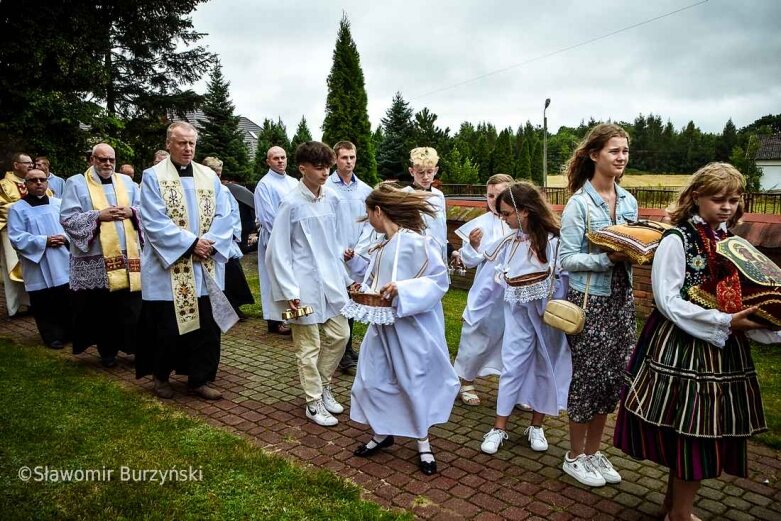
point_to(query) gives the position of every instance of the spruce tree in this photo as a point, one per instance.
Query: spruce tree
(523, 169)
(393, 154)
(302, 135)
(220, 134)
(346, 112)
(502, 155)
(726, 142)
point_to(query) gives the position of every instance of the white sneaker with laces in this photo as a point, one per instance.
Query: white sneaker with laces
(331, 405)
(582, 470)
(600, 462)
(493, 440)
(537, 439)
(317, 412)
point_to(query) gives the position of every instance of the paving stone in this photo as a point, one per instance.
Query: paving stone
(263, 402)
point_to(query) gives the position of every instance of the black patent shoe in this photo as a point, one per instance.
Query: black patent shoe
(427, 467)
(364, 451)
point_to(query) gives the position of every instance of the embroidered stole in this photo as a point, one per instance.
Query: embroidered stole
(182, 272)
(121, 275)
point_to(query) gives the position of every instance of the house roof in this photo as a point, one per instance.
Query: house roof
(769, 147)
(247, 126)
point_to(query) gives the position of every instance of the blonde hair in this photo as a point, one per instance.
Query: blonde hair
(498, 179)
(711, 179)
(580, 166)
(403, 208)
(423, 156)
(212, 162)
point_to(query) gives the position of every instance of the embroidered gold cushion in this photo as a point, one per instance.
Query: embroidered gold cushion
(638, 240)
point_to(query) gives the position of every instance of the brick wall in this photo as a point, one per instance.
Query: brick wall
(764, 231)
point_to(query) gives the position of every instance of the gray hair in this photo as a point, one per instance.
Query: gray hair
(180, 124)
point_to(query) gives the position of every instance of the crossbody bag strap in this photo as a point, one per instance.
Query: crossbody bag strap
(588, 245)
(553, 269)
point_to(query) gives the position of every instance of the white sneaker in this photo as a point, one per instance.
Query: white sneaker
(582, 470)
(600, 462)
(493, 440)
(331, 405)
(317, 412)
(537, 439)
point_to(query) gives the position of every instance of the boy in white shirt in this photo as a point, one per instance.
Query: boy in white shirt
(305, 266)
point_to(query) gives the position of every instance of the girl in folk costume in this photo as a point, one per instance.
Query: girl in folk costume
(479, 352)
(535, 357)
(694, 399)
(404, 382)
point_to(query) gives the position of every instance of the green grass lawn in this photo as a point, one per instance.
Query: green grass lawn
(58, 414)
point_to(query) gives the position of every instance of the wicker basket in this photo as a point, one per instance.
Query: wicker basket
(370, 299)
(527, 279)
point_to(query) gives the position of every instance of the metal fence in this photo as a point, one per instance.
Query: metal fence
(755, 202)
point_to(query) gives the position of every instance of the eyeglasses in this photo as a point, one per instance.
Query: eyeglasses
(36, 180)
(104, 159)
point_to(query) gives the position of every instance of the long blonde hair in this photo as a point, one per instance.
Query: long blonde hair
(711, 179)
(403, 208)
(580, 166)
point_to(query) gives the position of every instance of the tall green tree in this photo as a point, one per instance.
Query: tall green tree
(428, 134)
(726, 141)
(502, 161)
(126, 61)
(302, 135)
(346, 105)
(220, 134)
(458, 169)
(393, 154)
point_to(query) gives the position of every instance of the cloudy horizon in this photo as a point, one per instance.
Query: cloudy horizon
(497, 61)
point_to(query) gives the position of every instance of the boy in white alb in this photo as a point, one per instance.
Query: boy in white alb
(305, 267)
(423, 170)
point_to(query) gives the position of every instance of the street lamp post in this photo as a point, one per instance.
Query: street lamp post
(545, 144)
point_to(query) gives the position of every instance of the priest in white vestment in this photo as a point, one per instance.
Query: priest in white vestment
(99, 214)
(188, 229)
(269, 193)
(36, 234)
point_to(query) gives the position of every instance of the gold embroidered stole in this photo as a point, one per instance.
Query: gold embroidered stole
(182, 273)
(120, 275)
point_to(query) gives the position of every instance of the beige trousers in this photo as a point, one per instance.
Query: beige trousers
(318, 355)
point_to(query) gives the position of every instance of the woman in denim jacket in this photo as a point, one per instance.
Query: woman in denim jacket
(600, 351)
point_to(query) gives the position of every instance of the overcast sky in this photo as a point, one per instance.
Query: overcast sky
(717, 60)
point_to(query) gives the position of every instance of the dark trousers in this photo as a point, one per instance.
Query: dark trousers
(52, 311)
(163, 350)
(108, 319)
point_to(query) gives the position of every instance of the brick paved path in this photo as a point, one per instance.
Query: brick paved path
(263, 403)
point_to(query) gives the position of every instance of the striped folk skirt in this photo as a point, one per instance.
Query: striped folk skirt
(689, 405)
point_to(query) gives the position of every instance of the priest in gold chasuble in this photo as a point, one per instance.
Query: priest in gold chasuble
(100, 216)
(188, 231)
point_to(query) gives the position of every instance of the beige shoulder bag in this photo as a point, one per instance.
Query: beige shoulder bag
(562, 314)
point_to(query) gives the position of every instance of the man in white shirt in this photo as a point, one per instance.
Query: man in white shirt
(306, 268)
(351, 194)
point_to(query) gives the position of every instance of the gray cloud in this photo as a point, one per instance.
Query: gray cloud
(707, 64)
